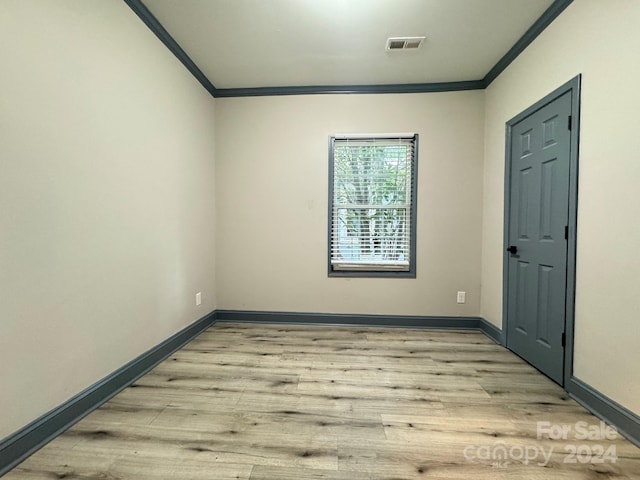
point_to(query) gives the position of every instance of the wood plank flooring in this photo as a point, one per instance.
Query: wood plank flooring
(287, 402)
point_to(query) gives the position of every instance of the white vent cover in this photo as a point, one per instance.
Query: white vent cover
(404, 43)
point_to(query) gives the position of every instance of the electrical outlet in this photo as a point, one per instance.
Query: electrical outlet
(198, 298)
(462, 297)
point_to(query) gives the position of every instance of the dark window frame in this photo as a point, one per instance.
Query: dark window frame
(372, 273)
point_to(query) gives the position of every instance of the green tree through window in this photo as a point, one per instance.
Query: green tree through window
(373, 205)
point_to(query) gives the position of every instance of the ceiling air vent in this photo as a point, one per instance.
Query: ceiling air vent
(404, 43)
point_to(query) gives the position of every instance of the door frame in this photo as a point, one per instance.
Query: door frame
(572, 86)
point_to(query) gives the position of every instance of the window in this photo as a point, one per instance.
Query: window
(372, 205)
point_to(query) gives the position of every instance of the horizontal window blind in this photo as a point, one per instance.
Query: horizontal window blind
(372, 202)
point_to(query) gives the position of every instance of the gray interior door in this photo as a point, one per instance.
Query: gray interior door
(537, 231)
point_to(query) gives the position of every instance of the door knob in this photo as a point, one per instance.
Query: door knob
(512, 249)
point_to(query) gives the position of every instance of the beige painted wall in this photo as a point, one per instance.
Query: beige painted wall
(271, 183)
(601, 40)
(106, 198)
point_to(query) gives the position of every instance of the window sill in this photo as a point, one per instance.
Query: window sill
(371, 274)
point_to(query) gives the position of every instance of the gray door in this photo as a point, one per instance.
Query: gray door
(537, 230)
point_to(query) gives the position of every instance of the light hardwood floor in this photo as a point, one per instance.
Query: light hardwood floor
(287, 402)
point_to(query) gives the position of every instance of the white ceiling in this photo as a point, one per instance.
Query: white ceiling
(267, 43)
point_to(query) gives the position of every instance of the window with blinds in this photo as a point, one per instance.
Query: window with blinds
(372, 205)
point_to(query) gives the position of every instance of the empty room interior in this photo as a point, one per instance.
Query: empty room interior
(319, 239)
